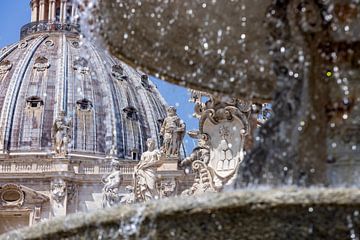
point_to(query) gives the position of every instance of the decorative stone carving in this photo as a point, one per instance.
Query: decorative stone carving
(41, 64)
(58, 190)
(128, 197)
(49, 43)
(5, 67)
(61, 134)
(22, 44)
(167, 188)
(111, 190)
(173, 132)
(11, 195)
(145, 173)
(223, 125)
(71, 191)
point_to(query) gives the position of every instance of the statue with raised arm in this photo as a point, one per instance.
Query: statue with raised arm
(173, 132)
(60, 134)
(145, 173)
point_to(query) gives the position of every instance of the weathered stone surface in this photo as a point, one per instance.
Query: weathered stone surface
(206, 45)
(252, 214)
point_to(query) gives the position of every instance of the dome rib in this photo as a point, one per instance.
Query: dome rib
(10, 103)
(60, 71)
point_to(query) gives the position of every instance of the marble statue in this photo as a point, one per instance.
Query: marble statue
(145, 173)
(173, 132)
(201, 152)
(111, 190)
(61, 135)
(199, 160)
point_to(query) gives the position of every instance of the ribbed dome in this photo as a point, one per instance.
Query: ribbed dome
(112, 107)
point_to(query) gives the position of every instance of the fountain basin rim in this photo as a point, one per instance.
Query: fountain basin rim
(252, 198)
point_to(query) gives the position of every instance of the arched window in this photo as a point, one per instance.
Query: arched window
(131, 113)
(84, 105)
(145, 82)
(34, 102)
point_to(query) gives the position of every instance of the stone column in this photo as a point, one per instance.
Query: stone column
(63, 10)
(73, 12)
(34, 11)
(42, 10)
(52, 10)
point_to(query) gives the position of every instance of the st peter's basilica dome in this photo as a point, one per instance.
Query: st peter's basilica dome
(112, 108)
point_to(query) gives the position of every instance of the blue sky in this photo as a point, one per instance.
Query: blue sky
(16, 13)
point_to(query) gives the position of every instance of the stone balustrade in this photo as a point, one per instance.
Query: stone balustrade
(81, 168)
(21, 167)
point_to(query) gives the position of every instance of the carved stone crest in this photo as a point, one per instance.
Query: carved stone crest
(223, 125)
(58, 190)
(167, 187)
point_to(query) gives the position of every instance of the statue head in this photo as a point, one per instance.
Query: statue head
(171, 111)
(115, 165)
(150, 144)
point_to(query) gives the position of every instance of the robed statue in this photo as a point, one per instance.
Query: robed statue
(145, 173)
(173, 132)
(61, 134)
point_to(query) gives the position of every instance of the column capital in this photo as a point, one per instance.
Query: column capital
(34, 3)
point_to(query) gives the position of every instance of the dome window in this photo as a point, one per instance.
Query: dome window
(84, 105)
(134, 154)
(131, 113)
(145, 82)
(118, 73)
(34, 102)
(81, 65)
(41, 64)
(75, 44)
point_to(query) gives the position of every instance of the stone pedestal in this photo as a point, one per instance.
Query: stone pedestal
(168, 176)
